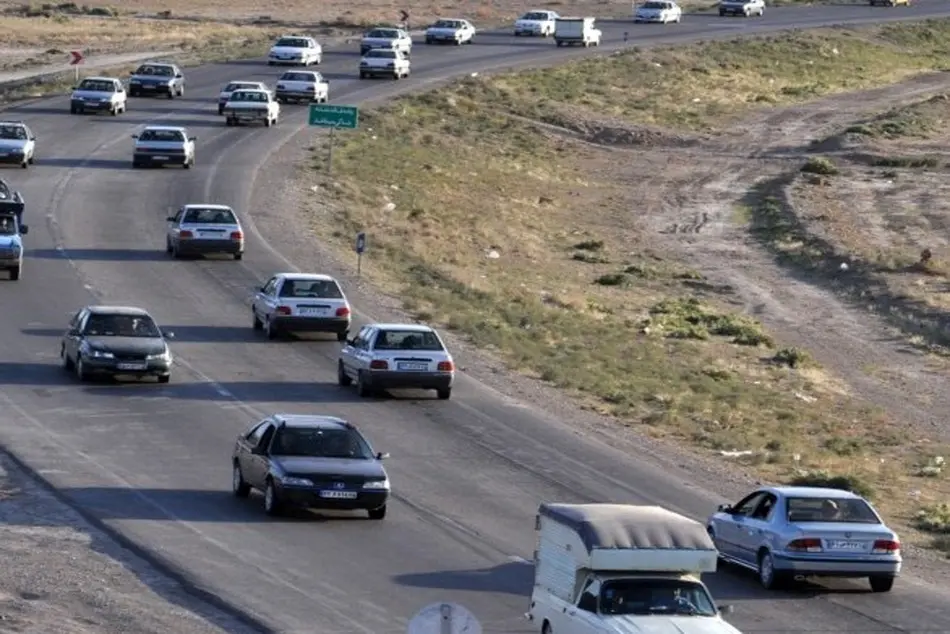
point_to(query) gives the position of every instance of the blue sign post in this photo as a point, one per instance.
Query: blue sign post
(360, 248)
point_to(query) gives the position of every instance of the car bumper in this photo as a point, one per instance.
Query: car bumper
(528, 31)
(160, 159)
(111, 367)
(12, 157)
(8, 262)
(836, 567)
(91, 106)
(247, 117)
(198, 247)
(442, 38)
(732, 10)
(385, 379)
(148, 89)
(279, 60)
(310, 498)
(311, 324)
(295, 94)
(650, 18)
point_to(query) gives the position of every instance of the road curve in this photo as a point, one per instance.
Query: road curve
(152, 461)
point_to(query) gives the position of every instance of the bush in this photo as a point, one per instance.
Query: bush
(821, 166)
(825, 480)
(792, 357)
(934, 518)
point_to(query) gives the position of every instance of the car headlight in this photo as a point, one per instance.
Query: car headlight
(379, 485)
(163, 356)
(135, 81)
(78, 98)
(296, 482)
(100, 354)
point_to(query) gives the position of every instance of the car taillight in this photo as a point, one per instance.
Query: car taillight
(885, 547)
(283, 310)
(237, 235)
(378, 365)
(342, 311)
(809, 545)
(185, 234)
(446, 366)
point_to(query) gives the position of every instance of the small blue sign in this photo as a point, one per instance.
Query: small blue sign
(360, 242)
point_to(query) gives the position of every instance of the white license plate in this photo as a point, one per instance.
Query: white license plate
(147, 87)
(131, 366)
(338, 495)
(4, 154)
(161, 158)
(209, 234)
(412, 367)
(846, 545)
(313, 311)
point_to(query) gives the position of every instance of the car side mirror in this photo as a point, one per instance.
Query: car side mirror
(24, 229)
(33, 138)
(179, 76)
(261, 289)
(382, 456)
(725, 508)
(170, 219)
(168, 334)
(192, 138)
(726, 609)
(135, 136)
(72, 332)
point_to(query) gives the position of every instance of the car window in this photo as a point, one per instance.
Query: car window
(239, 85)
(97, 85)
(75, 320)
(292, 42)
(317, 289)
(656, 596)
(448, 24)
(162, 136)
(8, 226)
(249, 96)
(320, 443)
(270, 286)
(588, 599)
(407, 340)
(204, 216)
(113, 325)
(830, 509)
(764, 510)
(747, 505)
(254, 436)
(153, 69)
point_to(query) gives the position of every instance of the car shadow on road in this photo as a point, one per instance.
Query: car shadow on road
(102, 255)
(34, 374)
(134, 110)
(41, 110)
(732, 583)
(241, 334)
(44, 332)
(181, 123)
(85, 163)
(312, 392)
(514, 578)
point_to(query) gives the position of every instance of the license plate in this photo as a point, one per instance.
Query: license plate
(338, 495)
(313, 311)
(131, 366)
(160, 158)
(412, 367)
(208, 234)
(4, 154)
(147, 87)
(846, 545)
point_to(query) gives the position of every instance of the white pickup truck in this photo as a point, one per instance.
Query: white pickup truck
(251, 106)
(571, 31)
(302, 85)
(383, 62)
(619, 568)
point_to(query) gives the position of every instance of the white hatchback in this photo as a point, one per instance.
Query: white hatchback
(301, 302)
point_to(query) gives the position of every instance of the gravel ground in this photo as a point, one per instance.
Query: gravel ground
(63, 576)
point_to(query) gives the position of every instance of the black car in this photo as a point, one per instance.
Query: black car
(318, 462)
(116, 341)
(156, 78)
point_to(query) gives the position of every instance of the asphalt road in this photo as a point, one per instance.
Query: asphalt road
(152, 461)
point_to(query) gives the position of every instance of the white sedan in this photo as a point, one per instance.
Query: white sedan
(536, 23)
(233, 86)
(452, 31)
(662, 11)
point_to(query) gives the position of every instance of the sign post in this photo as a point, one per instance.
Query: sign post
(333, 117)
(444, 618)
(360, 248)
(75, 59)
(404, 18)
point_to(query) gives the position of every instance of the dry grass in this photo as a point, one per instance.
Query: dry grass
(524, 243)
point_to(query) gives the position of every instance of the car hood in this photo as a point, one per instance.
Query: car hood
(93, 94)
(656, 624)
(7, 242)
(128, 345)
(12, 144)
(152, 79)
(304, 466)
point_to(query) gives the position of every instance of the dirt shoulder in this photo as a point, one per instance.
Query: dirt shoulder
(62, 575)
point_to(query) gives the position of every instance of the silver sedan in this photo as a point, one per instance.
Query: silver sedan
(786, 533)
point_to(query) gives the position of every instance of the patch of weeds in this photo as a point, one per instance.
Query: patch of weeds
(844, 446)
(932, 468)
(642, 271)
(941, 543)
(589, 258)
(589, 245)
(820, 165)
(612, 279)
(911, 162)
(919, 120)
(690, 319)
(825, 480)
(792, 357)
(934, 518)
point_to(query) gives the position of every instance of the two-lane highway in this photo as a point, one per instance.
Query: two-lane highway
(152, 461)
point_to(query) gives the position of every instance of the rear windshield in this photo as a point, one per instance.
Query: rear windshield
(292, 42)
(382, 53)
(655, 5)
(535, 15)
(383, 33)
(236, 86)
(97, 85)
(317, 289)
(407, 340)
(822, 509)
(448, 24)
(164, 136)
(199, 216)
(292, 76)
(249, 95)
(149, 69)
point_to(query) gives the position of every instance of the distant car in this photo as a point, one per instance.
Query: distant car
(318, 462)
(302, 85)
(662, 11)
(11, 201)
(787, 532)
(204, 230)
(252, 106)
(301, 302)
(98, 94)
(297, 50)
(386, 37)
(225, 93)
(11, 245)
(890, 3)
(747, 8)
(156, 78)
(452, 31)
(381, 62)
(536, 23)
(396, 356)
(116, 341)
(17, 143)
(157, 145)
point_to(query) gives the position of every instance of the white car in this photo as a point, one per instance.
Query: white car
(386, 37)
(396, 356)
(301, 302)
(297, 50)
(11, 244)
(159, 145)
(748, 8)
(536, 23)
(225, 93)
(204, 230)
(454, 31)
(17, 143)
(98, 94)
(252, 106)
(302, 85)
(662, 11)
(380, 62)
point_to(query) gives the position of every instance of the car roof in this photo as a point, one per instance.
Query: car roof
(412, 327)
(20, 123)
(165, 127)
(117, 310)
(306, 276)
(305, 37)
(99, 79)
(173, 65)
(312, 421)
(813, 492)
(245, 81)
(207, 206)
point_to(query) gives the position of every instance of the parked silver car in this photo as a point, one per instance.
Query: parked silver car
(792, 532)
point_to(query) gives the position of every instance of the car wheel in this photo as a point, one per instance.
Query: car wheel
(221, 110)
(268, 122)
(238, 256)
(176, 254)
(168, 246)
(445, 394)
(171, 94)
(164, 378)
(67, 362)
(546, 628)
(341, 336)
(114, 111)
(239, 487)
(270, 331)
(881, 584)
(25, 164)
(769, 578)
(15, 273)
(255, 322)
(342, 378)
(136, 165)
(31, 160)
(189, 164)
(362, 389)
(377, 514)
(81, 369)
(722, 14)
(272, 505)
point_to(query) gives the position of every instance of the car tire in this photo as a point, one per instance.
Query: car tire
(270, 63)
(342, 335)
(271, 332)
(238, 256)
(255, 322)
(67, 362)
(272, 504)
(25, 164)
(881, 584)
(239, 487)
(168, 246)
(377, 514)
(15, 274)
(81, 370)
(31, 160)
(114, 111)
(268, 122)
(769, 578)
(136, 165)
(176, 254)
(445, 394)
(189, 164)
(164, 378)
(546, 628)
(170, 94)
(362, 75)
(722, 14)
(362, 389)
(221, 109)
(342, 378)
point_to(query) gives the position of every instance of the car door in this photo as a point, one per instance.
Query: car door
(72, 337)
(258, 464)
(754, 530)
(265, 299)
(350, 352)
(174, 226)
(729, 526)
(245, 443)
(583, 617)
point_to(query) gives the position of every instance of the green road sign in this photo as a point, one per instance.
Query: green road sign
(326, 116)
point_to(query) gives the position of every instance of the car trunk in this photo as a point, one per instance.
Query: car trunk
(843, 538)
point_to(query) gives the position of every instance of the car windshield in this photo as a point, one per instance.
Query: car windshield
(656, 596)
(151, 69)
(323, 289)
(535, 15)
(12, 132)
(448, 24)
(321, 443)
(7, 226)
(97, 85)
(292, 42)
(388, 34)
(106, 325)
(384, 54)
(292, 76)
(407, 340)
(257, 96)
(163, 136)
(238, 86)
(203, 216)
(654, 5)
(829, 509)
